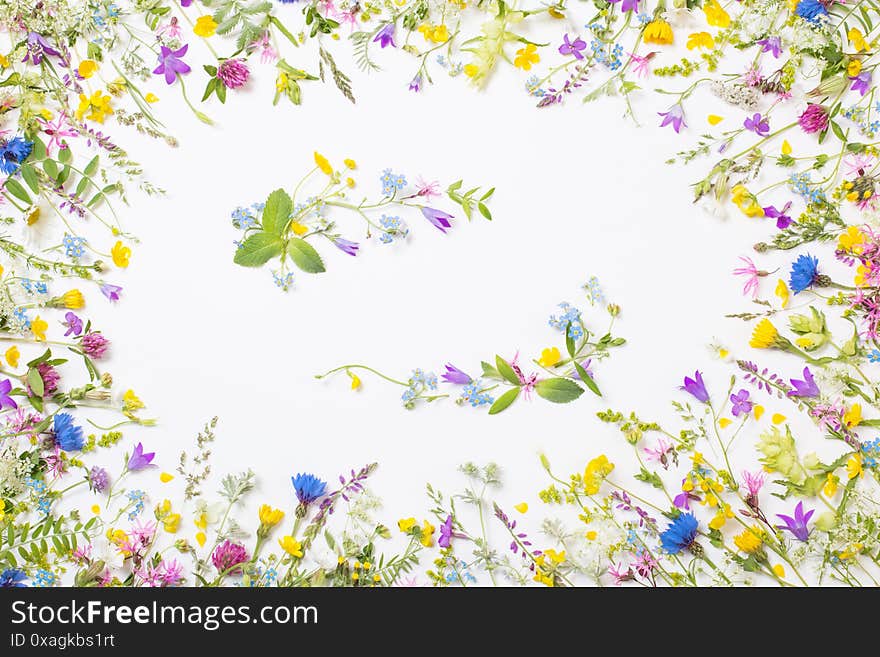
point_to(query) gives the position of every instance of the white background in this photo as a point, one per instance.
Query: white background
(581, 191)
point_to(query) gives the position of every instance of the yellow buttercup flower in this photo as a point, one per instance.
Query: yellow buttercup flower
(205, 26)
(405, 524)
(715, 14)
(764, 335)
(782, 292)
(355, 380)
(658, 31)
(549, 357)
(351, 164)
(854, 67)
(96, 509)
(853, 417)
(595, 473)
(854, 466)
(121, 254)
(522, 507)
(94, 108)
(270, 516)
(12, 355)
(471, 70)
(427, 534)
(527, 56)
(323, 164)
(857, 39)
(4, 61)
(87, 68)
(750, 540)
(292, 546)
(38, 327)
(714, 119)
(700, 40)
(73, 299)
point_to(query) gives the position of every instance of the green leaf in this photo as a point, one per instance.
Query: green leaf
(51, 168)
(488, 371)
(558, 390)
(504, 401)
(587, 379)
(17, 190)
(505, 370)
(258, 249)
(484, 211)
(30, 177)
(304, 256)
(39, 151)
(569, 341)
(92, 167)
(64, 155)
(276, 213)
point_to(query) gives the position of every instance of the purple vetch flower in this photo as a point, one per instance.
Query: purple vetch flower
(416, 83)
(37, 46)
(99, 479)
(861, 82)
(438, 218)
(112, 292)
(741, 403)
(94, 345)
(772, 44)
(233, 73)
(696, 387)
(138, 460)
(171, 64)
(572, 48)
(757, 124)
(385, 36)
(73, 323)
(805, 388)
(228, 555)
(346, 246)
(5, 399)
(798, 524)
(783, 220)
(673, 116)
(455, 375)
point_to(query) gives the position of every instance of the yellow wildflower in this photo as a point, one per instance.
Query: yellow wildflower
(857, 39)
(853, 417)
(405, 524)
(759, 411)
(87, 68)
(750, 540)
(522, 507)
(355, 380)
(746, 202)
(779, 571)
(151, 98)
(351, 164)
(658, 31)
(852, 240)
(434, 33)
(591, 535)
(323, 164)
(96, 509)
(270, 516)
(165, 477)
(724, 422)
(596, 471)
(862, 274)
(4, 61)
(549, 357)
(782, 292)
(830, 485)
(292, 546)
(97, 105)
(12, 355)
(121, 254)
(131, 402)
(73, 299)
(471, 70)
(854, 67)
(527, 56)
(427, 534)
(555, 557)
(786, 147)
(700, 40)
(724, 512)
(171, 522)
(777, 418)
(298, 228)
(714, 119)
(764, 335)
(854, 466)
(350, 183)
(715, 14)
(38, 327)
(201, 538)
(205, 26)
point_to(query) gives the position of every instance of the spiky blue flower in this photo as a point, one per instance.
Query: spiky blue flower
(680, 533)
(804, 273)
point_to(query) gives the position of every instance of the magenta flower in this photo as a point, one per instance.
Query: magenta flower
(346, 246)
(620, 574)
(94, 345)
(112, 292)
(757, 124)
(797, 525)
(741, 403)
(228, 555)
(438, 218)
(814, 119)
(754, 481)
(750, 271)
(627, 5)
(455, 375)
(861, 82)
(50, 377)
(138, 460)
(661, 453)
(171, 64)
(772, 44)
(73, 323)
(641, 64)
(37, 46)
(696, 387)
(782, 219)
(5, 399)
(572, 48)
(233, 73)
(805, 388)
(673, 116)
(684, 498)
(385, 36)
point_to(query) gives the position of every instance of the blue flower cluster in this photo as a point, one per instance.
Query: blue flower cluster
(244, 218)
(533, 87)
(474, 396)
(34, 287)
(600, 53)
(570, 317)
(392, 182)
(594, 291)
(44, 578)
(39, 489)
(136, 497)
(801, 185)
(419, 382)
(870, 453)
(283, 280)
(20, 317)
(861, 117)
(74, 247)
(392, 227)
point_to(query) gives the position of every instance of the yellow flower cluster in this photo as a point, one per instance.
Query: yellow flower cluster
(746, 202)
(595, 473)
(94, 108)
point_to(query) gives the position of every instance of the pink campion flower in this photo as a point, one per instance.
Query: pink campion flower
(857, 164)
(641, 64)
(56, 129)
(55, 465)
(753, 482)
(171, 572)
(527, 383)
(674, 116)
(644, 565)
(752, 274)
(264, 47)
(427, 189)
(170, 30)
(620, 575)
(753, 76)
(662, 453)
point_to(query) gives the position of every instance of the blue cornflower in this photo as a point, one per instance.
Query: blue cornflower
(68, 436)
(74, 247)
(804, 273)
(13, 152)
(13, 578)
(811, 10)
(44, 578)
(680, 533)
(308, 488)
